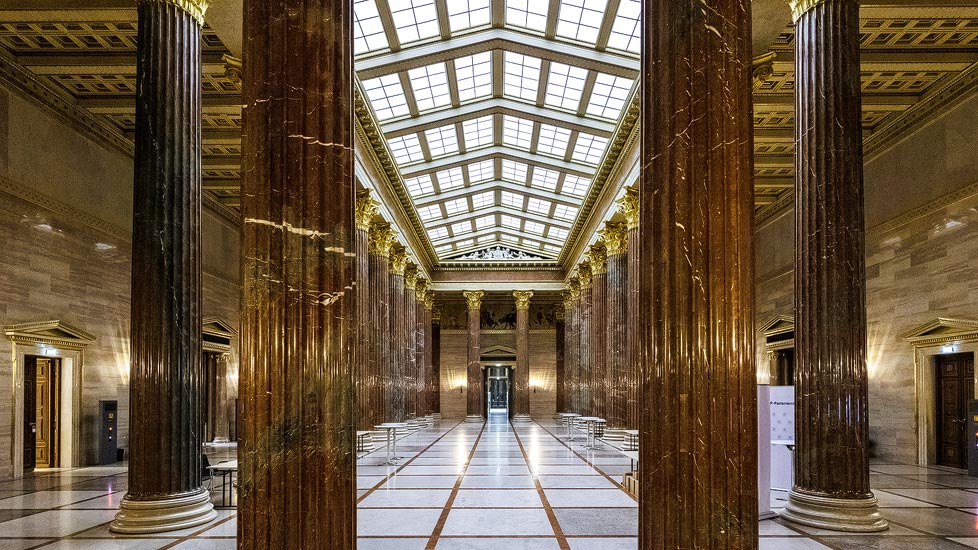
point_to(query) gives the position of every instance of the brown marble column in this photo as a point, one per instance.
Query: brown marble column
(831, 412)
(381, 240)
(167, 383)
(420, 350)
(474, 398)
(396, 360)
(615, 240)
(434, 356)
(598, 336)
(698, 425)
(411, 380)
(572, 309)
(628, 206)
(584, 358)
(521, 387)
(560, 328)
(297, 460)
(366, 378)
(219, 405)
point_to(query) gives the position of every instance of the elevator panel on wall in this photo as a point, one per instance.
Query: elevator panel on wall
(108, 414)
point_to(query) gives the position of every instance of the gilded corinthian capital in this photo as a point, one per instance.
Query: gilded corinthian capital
(474, 299)
(628, 206)
(522, 298)
(195, 8)
(598, 256)
(615, 238)
(399, 260)
(366, 209)
(380, 238)
(584, 274)
(411, 276)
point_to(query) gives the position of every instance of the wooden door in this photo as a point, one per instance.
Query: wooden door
(30, 412)
(46, 415)
(955, 387)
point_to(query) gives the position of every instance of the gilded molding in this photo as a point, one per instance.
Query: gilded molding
(522, 298)
(196, 8)
(232, 68)
(366, 209)
(411, 276)
(615, 237)
(398, 259)
(474, 299)
(380, 238)
(597, 255)
(801, 7)
(628, 206)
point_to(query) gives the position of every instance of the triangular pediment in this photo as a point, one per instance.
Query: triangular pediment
(499, 351)
(943, 329)
(55, 333)
(218, 327)
(780, 324)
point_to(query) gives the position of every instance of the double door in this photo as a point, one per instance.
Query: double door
(41, 408)
(955, 387)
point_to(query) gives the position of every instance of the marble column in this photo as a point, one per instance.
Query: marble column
(366, 379)
(560, 328)
(411, 380)
(396, 360)
(474, 398)
(598, 336)
(584, 357)
(381, 241)
(218, 414)
(572, 353)
(628, 207)
(420, 351)
(167, 382)
(434, 355)
(521, 387)
(831, 488)
(297, 462)
(615, 239)
(698, 424)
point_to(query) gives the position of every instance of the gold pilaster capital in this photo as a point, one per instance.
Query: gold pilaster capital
(420, 288)
(429, 302)
(381, 238)
(598, 256)
(411, 276)
(572, 293)
(584, 274)
(615, 237)
(232, 68)
(366, 209)
(398, 260)
(474, 299)
(628, 206)
(801, 7)
(522, 298)
(196, 8)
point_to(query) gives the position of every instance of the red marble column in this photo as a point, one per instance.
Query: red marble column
(411, 380)
(421, 337)
(366, 380)
(831, 411)
(560, 328)
(572, 307)
(698, 424)
(167, 381)
(396, 361)
(628, 206)
(297, 461)
(585, 357)
(598, 336)
(521, 388)
(615, 235)
(434, 355)
(381, 241)
(474, 398)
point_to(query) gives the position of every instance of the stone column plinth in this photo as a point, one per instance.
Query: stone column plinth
(166, 375)
(474, 398)
(698, 424)
(297, 457)
(616, 344)
(521, 388)
(831, 488)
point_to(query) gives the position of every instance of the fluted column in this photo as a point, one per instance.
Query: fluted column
(521, 388)
(381, 240)
(474, 398)
(598, 335)
(572, 307)
(615, 239)
(411, 380)
(831, 488)
(396, 360)
(297, 461)
(366, 379)
(421, 336)
(698, 425)
(434, 355)
(628, 206)
(585, 357)
(166, 384)
(220, 414)
(560, 328)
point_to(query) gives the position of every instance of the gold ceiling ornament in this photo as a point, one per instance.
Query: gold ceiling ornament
(366, 209)
(411, 276)
(420, 288)
(763, 68)
(584, 274)
(381, 238)
(598, 255)
(522, 298)
(615, 237)
(398, 260)
(474, 299)
(232, 68)
(628, 206)
(801, 7)
(195, 8)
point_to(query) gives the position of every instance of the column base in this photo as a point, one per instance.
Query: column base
(473, 418)
(521, 418)
(166, 514)
(835, 514)
(436, 416)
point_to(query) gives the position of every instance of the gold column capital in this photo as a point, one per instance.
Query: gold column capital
(522, 298)
(429, 301)
(801, 7)
(598, 256)
(411, 276)
(474, 299)
(196, 8)
(366, 209)
(615, 237)
(398, 260)
(584, 274)
(380, 238)
(628, 206)
(420, 288)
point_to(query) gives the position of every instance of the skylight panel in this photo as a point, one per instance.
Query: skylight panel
(484, 199)
(609, 95)
(589, 148)
(420, 185)
(557, 233)
(482, 171)
(565, 212)
(538, 206)
(386, 96)
(465, 243)
(522, 76)
(478, 132)
(551, 248)
(443, 248)
(487, 239)
(529, 14)
(465, 14)
(553, 140)
(512, 199)
(429, 212)
(531, 243)
(455, 206)
(544, 179)
(414, 19)
(626, 33)
(461, 228)
(565, 86)
(509, 238)
(510, 221)
(442, 141)
(406, 149)
(473, 74)
(581, 19)
(485, 222)
(430, 85)
(450, 179)
(514, 171)
(575, 185)
(368, 32)
(438, 233)
(517, 132)
(534, 227)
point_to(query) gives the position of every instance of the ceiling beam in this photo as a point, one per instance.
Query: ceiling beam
(502, 152)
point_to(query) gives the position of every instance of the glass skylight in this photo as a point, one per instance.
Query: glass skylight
(420, 185)
(510, 221)
(487, 239)
(484, 199)
(551, 248)
(456, 205)
(438, 233)
(485, 222)
(510, 238)
(517, 132)
(450, 179)
(429, 212)
(530, 14)
(565, 86)
(534, 227)
(581, 19)
(414, 19)
(544, 179)
(575, 185)
(609, 95)
(514, 171)
(531, 243)
(443, 248)
(589, 148)
(387, 97)
(539, 206)
(478, 132)
(557, 233)
(553, 140)
(522, 76)
(512, 199)
(564, 212)
(463, 244)
(465, 14)
(482, 171)
(442, 141)
(368, 32)
(406, 149)
(474, 76)
(461, 227)
(626, 33)
(430, 85)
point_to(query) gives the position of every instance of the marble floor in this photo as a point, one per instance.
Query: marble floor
(492, 486)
